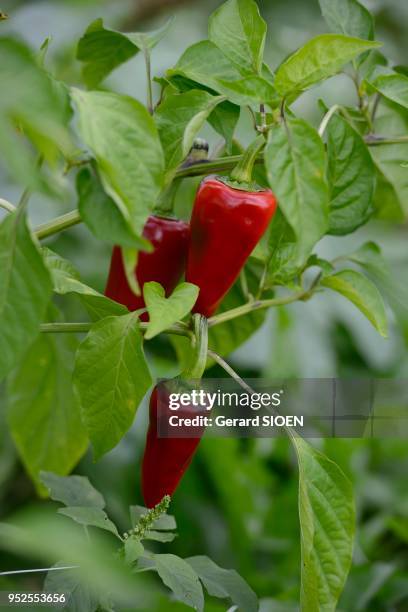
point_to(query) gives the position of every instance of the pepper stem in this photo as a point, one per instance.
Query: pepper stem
(242, 173)
(195, 371)
(165, 204)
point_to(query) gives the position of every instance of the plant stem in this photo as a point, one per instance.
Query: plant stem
(146, 54)
(256, 305)
(7, 205)
(222, 164)
(225, 366)
(73, 217)
(325, 121)
(177, 329)
(374, 141)
(58, 224)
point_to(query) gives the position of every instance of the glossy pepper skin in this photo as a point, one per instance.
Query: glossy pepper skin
(165, 460)
(165, 264)
(226, 225)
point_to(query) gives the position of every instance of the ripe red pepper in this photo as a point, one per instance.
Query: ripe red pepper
(166, 459)
(165, 264)
(228, 220)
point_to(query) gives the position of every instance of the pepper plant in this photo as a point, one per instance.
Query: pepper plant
(128, 161)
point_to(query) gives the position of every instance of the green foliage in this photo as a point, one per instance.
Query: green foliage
(327, 516)
(394, 87)
(295, 165)
(43, 413)
(243, 489)
(72, 490)
(348, 17)
(163, 312)
(205, 63)
(224, 583)
(25, 289)
(318, 59)
(239, 31)
(351, 178)
(111, 377)
(101, 215)
(363, 293)
(179, 118)
(124, 140)
(33, 102)
(102, 49)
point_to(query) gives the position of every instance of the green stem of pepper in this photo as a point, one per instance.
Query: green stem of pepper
(242, 173)
(195, 371)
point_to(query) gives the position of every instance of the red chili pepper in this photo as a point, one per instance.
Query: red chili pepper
(165, 264)
(166, 459)
(228, 220)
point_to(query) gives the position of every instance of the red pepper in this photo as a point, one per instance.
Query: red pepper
(166, 459)
(165, 264)
(228, 220)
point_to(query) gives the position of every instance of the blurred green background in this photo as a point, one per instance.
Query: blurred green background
(238, 502)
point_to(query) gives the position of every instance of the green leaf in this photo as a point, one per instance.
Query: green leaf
(295, 164)
(43, 413)
(72, 490)
(179, 576)
(124, 141)
(101, 215)
(320, 58)
(163, 311)
(133, 550)
(30, 99)
(391, 198)
(41, 536)
(282, 261)
(239, 31)
(129, 260)
(146, 41)
(206, 64)
(164, 522)
(25, 290)
(327, 516)
(102, 50)
(394, 87)
(351, 177)
(224, 583)
(90, 516)
(370, 257)
(363, 293)
(66, 279)
(78, 595)
(159, 536)
(111, 377)
(348, 17)
(224, 119)
(179, 118)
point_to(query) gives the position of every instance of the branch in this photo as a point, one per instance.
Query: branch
(178, 329)
(258, 305)
(7, 206)
(373, 140)
(225, 366)
(222, 164)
